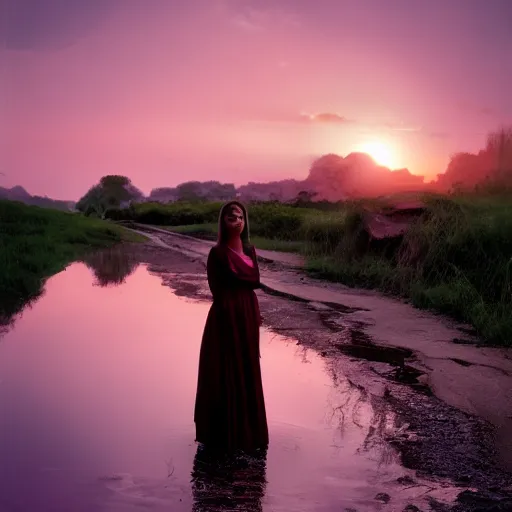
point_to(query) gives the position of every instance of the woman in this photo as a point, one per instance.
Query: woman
(230, 408)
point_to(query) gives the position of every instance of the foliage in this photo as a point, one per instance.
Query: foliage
(209, 232)
(269, 220)
(193, 191)
(455, 259)
(111, 192)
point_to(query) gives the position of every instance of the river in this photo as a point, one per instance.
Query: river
(97, 387)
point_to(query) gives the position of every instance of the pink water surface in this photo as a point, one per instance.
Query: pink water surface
(97, 388)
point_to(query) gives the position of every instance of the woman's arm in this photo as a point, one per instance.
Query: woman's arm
(213, 272)
(256, 266)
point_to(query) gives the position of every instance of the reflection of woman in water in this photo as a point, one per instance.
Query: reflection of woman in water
(228, 482)
(230, 408)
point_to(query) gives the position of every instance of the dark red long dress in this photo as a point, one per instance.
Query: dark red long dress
(230, 407)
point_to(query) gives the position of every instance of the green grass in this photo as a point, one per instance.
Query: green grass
(209, 232)
(456, 259)
(269, 244)
(38, 242)
(273, 221)
(203, 231)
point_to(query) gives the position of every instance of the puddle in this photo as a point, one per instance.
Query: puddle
(394, 360)
(97, 388)
(461, 362)
(391, 355)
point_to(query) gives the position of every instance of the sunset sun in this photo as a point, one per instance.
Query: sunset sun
(380, 152)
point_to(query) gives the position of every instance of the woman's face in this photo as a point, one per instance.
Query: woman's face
(234, 220)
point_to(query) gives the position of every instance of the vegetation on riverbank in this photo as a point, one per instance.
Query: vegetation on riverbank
(38, 242)
(455, 259)
(209, 232)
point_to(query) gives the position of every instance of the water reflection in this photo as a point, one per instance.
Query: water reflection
(111, 266)
(112, 372)
(12, 304)
(221, 483)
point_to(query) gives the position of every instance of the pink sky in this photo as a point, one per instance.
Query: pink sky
(215, 89)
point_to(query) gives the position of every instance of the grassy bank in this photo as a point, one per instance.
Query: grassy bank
(38, 242)
(455, 259)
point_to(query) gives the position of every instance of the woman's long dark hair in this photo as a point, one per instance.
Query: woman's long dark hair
(222, 235)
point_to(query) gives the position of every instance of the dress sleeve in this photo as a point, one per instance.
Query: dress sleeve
(213, 272)
(256, 266)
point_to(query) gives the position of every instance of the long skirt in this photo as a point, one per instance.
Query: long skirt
(230, 407)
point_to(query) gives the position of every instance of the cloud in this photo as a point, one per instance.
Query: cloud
(324, 118)
(49, 24)
(487, 112)
(480, 110)
(401, 127)
(247, 23)
(329, 117)
(251, 19)
(282, 116)
(439, 135)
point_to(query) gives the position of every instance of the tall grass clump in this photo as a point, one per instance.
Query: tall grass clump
(461, 255)
(332, 233)
(455, 259)
(37, 242)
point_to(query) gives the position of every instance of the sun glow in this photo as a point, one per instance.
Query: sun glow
(382, 153)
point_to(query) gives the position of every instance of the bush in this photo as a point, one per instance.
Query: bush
(275, 221)
(172, 214)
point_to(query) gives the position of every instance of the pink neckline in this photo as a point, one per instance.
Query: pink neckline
(244, 257)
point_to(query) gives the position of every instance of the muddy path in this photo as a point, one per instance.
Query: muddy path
(452, 398)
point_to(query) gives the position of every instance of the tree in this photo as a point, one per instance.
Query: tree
(305, 197)
(190, 191)
(119, 190)
(112, 191)
(93, 202)
(216, 191)
(163, 194)
(499, 149)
